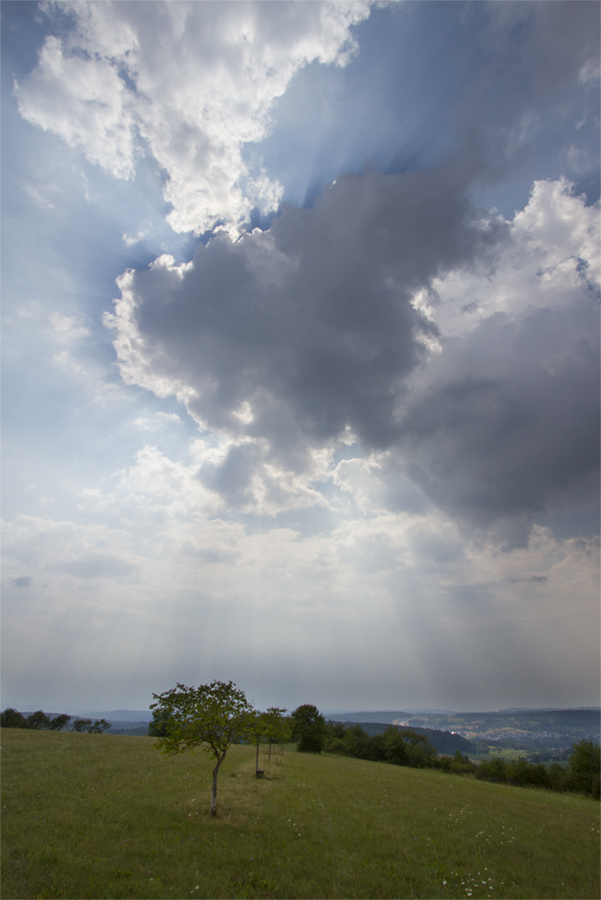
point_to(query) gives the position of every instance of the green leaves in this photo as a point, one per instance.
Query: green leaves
(211, 716)
(215, 715)
(309, 728)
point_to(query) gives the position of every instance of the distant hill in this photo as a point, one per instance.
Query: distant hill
(117, 715)
(534, 729)
(388, 717)
(443, 741)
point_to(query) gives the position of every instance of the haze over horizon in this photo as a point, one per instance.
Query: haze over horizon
(301, 353)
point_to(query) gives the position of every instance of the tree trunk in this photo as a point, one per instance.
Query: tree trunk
(257, 763)
(214, 786)
(269, 751)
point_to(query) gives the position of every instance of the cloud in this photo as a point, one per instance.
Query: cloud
(100, 565)
(462, 346)
(391, 605)
(189, 82)
(23, 581)
(68, 328)
(84, 101)
(130, 239)
(503, 421)
(537, 58)
(297, 334)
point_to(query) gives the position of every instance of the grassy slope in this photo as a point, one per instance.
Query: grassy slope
(103, 816)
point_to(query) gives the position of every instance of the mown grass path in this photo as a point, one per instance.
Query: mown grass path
(99, 816)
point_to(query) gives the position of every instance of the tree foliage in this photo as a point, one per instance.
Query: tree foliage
(277, 729)
(12, 718)
(308, 728)
(581, 775)
(59, 722)
(402, 747)
(159, 726)
(211, 716)
(81, 725)
(584, 766)
(99, 726)
(38, 720)
(87, 725)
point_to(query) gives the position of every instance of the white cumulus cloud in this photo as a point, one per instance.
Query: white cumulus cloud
(190, 82)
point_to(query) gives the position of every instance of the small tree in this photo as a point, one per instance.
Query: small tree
(256, 727)
(58, 722)
(81, 725)
(211, 716)
(278, 728)
(38, 720)
(308, 728)
(99, 726)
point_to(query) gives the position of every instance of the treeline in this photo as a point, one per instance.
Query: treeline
(12, 718)
(443, 741)
(406, 747)
(582, 774)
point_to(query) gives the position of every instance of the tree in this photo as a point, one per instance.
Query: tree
(584, 766)
(211, 716)
(308, 728)
(277, 727)
(99, 726)
(59, 722)
(255, 729)
(407, 747)
(492, 770)
(159, 727)
(355, 741)
(396, 746)
(12, 718)
(461, 764)
(38, 720)
(81, 725)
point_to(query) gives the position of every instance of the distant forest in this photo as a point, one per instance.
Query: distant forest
(442, 741)
(549, 733)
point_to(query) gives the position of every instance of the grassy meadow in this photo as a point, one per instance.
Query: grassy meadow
(88, 815)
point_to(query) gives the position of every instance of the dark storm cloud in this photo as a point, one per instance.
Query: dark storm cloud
(312, 322)
(511, 426)
(312, 325)
(529, 78)
(549, 44)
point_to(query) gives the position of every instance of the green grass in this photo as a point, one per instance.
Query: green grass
(103, 816)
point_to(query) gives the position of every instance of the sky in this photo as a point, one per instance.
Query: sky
(301, 353)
